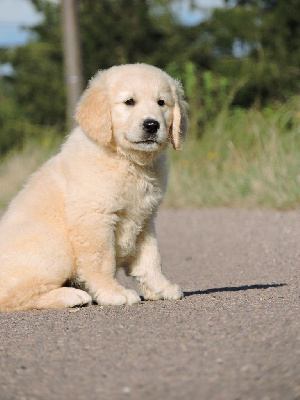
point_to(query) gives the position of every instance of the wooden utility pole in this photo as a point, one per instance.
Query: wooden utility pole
(72, 57)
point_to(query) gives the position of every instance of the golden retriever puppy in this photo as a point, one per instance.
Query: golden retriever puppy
(90, 209)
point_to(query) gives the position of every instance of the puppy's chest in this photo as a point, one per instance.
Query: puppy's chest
(140, 198)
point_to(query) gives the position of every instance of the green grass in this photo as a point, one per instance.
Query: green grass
(244, 158)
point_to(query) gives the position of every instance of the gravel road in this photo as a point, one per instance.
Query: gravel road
(234, 336)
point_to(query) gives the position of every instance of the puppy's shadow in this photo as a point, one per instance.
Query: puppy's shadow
(234, 289)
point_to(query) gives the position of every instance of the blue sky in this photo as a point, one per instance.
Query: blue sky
(13, 15)
(17, 13)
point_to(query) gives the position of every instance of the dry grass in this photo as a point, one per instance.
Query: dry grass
(18, 165)
(246, 159)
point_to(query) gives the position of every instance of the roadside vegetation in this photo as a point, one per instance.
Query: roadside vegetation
(18, 164)
(246, 158)
(240, 71)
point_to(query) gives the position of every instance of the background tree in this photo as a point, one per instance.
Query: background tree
(141, 34)
(252, 41)
(38, 70)
(256, 39)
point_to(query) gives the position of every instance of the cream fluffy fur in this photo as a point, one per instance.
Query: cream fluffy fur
(90, 209)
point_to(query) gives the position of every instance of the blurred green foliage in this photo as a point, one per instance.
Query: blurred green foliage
(247, 158)
(244, 54)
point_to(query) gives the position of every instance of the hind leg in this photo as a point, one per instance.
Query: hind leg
(63, 297)
(45, 298)
(34, 264)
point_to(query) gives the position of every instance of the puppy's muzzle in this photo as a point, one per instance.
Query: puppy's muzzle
(150, 128)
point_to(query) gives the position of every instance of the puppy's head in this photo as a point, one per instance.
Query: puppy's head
(135, 108)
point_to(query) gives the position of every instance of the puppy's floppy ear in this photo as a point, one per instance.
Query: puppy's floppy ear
(180, 118)
(93, 113)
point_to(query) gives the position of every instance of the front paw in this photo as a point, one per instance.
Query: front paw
(171, 292)
(117, 298)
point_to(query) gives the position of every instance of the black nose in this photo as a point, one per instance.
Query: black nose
(151, 126)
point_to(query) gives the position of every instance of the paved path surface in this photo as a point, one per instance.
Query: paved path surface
(234, 336)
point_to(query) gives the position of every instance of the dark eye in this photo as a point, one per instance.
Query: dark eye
(161, 102)
(130, 102)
